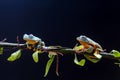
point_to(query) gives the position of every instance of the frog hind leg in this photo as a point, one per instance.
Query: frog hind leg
(96, 54)
(92, 58)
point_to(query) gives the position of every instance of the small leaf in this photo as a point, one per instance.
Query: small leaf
(1, 50)
(14, 56)
(48, 65)
(117, 63)
(115, 53)
(50, 55)
(80, 63)
(35, 56)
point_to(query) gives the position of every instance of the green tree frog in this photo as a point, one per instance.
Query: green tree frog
(90, 46)
(33, 42)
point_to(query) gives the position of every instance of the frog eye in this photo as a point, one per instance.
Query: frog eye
(25, 35)
(83, 38)
(31, 36)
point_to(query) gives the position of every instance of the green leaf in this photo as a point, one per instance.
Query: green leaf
(115, 53)
(80, 63)
(1, 50)
(117, 63)
(35, 56)
(14, 56)
(48, 65)
(50, 55)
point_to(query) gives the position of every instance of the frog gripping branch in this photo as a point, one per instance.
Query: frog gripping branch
(91, 50)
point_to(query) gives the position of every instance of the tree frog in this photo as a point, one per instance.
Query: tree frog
(32, 41)
(90, 45)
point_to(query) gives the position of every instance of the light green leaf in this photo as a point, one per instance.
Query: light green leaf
(117, 63)
(14, 56)
(80, 63)
(1, 50)
(115, 53)
(50, 55)
(35, 56)
(48, 65)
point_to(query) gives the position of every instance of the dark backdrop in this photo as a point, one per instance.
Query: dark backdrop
(59, 22)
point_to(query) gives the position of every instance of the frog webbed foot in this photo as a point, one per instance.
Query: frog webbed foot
(97, 54)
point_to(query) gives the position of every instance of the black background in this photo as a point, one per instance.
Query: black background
(59, 22)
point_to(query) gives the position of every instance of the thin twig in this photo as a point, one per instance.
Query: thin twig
(7, 44)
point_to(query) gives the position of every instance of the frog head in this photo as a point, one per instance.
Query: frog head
(31, 39)
(83, 38)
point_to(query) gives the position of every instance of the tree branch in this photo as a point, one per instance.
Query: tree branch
(63, 50)
(7, 44)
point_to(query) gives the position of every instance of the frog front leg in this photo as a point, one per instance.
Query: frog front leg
(39, 46)
(29, 46)
(88, 50)
(82, 49)
(33, 47)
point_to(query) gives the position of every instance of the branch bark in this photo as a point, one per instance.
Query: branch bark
(7, 44)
